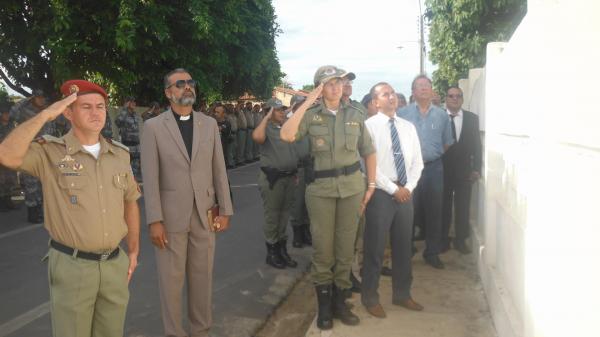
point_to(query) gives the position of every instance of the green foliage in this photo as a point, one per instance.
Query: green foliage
(308, 87)
(460, 31)
(4, 99)
(128, 45)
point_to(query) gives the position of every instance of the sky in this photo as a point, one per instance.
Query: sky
(358, 36)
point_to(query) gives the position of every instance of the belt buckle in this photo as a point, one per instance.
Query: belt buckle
(104, 256)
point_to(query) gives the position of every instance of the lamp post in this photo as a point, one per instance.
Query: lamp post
(421, 42)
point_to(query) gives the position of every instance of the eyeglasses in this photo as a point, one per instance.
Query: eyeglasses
(455, 96)
(181, 84)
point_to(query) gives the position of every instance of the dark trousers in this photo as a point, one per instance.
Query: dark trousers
(457, 194)
(427, 198)
(384, 216)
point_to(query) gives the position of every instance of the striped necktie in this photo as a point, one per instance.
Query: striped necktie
(398, 157)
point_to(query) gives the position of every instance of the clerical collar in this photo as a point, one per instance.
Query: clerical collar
(180, 118)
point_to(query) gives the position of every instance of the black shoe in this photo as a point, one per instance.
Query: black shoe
(434, 261)
(298, 241)
(273, 257)
(287, 259)
(340, 309)
(306, 237)
(385, 271)
(462, 247)
(324, 314)
(355, 283)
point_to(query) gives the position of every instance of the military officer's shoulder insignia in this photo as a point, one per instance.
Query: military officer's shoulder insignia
(117, 144)
(49, 139)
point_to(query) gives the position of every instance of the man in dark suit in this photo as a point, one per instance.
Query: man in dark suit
(462, 167)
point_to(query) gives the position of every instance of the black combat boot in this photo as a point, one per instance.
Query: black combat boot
(340, 310)
(298, 241)
(324, 315)
(307, 237)
(287, 259)
(273, 257)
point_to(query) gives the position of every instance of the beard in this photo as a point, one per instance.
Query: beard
(185, 100)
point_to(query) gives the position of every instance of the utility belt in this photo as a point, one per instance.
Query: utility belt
(311, 175)
(130, 143)
(84, 255)
(274, 174)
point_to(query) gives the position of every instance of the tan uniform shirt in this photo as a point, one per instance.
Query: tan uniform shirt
(83, 197)
(336, 141)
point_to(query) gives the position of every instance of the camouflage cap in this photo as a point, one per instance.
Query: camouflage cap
(297, 99)
(325, 73)
(275, 103)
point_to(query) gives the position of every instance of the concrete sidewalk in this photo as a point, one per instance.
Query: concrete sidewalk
(453, 298)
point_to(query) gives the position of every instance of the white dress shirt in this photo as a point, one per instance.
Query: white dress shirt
(379, 128)
(457, 122)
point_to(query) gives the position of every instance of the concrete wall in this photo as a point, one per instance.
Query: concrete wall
(538, 220)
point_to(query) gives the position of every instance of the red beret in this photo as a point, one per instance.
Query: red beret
(81, 87)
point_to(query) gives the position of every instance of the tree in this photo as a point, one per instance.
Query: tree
(308, 87)
(128, 45)
(460, 31)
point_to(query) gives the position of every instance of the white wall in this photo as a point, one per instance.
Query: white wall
(539, 211)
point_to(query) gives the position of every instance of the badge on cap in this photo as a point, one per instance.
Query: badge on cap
(73, 88)
(329, 71)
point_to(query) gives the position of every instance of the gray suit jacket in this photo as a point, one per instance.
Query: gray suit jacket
(173, 180)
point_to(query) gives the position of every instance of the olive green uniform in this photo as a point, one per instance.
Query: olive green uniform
(278, 198)
(336, 141)
(84, 207)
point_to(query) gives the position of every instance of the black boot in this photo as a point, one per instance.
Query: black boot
(298, 240)
(273, 257)
(341, 310)
(324, 315)
(287, 259)
(307, 237)
(355, 283)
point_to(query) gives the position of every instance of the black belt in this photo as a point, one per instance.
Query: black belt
(84, 255)
(344, 171)
(432, 161)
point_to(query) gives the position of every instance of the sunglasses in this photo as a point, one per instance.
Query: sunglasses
(455, 96)
(181, 84)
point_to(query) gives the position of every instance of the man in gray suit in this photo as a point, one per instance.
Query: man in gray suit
(184, 169)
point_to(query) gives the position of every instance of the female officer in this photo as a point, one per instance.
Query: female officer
(335, 195)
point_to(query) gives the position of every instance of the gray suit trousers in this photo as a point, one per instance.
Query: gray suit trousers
(385, 215)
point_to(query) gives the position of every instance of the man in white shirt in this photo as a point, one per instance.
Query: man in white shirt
(399, 166)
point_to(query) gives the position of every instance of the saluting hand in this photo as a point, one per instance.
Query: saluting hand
(57, 108)
(158, 235)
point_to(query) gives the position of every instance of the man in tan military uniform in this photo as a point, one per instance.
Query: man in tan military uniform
(90, 205)
(338, 139)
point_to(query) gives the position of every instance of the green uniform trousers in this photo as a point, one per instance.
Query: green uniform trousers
(277, 203)
(333, 224)
(87, 298)
(231, 151)
(241, 145)
(299, 214)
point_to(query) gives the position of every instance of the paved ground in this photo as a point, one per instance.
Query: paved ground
(245, 290)
(454, 301)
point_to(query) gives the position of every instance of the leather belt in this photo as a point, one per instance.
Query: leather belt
(344, 171)
(84, 255)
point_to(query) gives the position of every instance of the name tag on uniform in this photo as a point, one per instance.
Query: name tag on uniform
(74, 199)
(352, 124)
